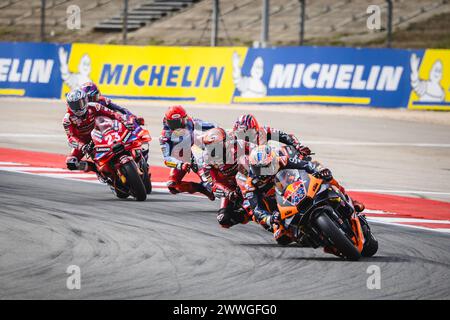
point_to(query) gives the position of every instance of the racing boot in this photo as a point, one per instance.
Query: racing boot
(282, 236)
(203, 190)
(228, 218)
(87, 166)
(359, 206)
(189, 187)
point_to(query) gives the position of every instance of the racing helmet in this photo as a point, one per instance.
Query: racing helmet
(213, 139)
(77, 102)
(176, 117)
(91, 91)
(264, 163)
(246, 122)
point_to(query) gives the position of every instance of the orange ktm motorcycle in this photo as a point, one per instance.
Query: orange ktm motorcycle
(315, 212)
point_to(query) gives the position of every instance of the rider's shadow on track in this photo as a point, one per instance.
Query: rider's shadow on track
(149, 199)
(391, 259)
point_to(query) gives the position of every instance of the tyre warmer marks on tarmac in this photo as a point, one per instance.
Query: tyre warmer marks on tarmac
(389, 209)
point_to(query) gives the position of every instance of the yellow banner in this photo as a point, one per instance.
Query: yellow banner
(430, 81)
(200, 74)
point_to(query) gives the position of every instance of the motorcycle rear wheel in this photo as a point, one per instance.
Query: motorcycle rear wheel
(134, 181)
(146, 178)
(331, 231)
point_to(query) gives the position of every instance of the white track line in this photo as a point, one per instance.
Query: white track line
(413, 220)
(440, 230)
(402, 191)
(31, 135)
(11, 164)
(34, 169)
(71, 176)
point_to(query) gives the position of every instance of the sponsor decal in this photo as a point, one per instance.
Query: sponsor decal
(125, 139)
(430, 80)
(198, 74)
(375, 77)
(103, 149)
(30, 69)
(390, 78)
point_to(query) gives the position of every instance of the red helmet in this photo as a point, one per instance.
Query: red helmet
(176, 117)
(246, 122)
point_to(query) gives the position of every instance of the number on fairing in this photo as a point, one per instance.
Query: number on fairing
(112, 137)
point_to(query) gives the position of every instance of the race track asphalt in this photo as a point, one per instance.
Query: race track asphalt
(171, 247)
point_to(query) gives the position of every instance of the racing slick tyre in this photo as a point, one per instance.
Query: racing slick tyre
(134, 181)
(371, 243)
(337, 237)
(146, 178)
(119, 194)
(370, 246)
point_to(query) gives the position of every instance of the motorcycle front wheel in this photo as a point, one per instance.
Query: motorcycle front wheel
(337, 237)
(134, 181)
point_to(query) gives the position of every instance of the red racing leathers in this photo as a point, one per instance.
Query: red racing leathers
(221, 180)
(78, 129)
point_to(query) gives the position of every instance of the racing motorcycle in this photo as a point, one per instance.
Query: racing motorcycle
(119, 156)
(315, 212)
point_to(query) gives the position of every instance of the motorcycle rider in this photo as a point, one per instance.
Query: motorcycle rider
(94, 95)
(264, 164)
(181, 130)
(219, 170)
(247, 125)
(78, 123)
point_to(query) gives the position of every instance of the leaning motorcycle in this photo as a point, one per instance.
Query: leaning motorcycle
(119, 155)
(315, 212)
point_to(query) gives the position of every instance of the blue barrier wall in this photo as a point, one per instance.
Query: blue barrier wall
(389, 78)
(374, 77)
(30, 69)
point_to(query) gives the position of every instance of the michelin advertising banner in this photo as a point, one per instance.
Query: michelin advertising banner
(389, 78)
(30, 69)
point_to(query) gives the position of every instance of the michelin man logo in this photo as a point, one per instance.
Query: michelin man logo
(74, 80)
(428, 90)
(252, 86)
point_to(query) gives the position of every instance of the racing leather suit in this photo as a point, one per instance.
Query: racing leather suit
(78, 129)
(221, 180)
(261, 194)
(168, 142)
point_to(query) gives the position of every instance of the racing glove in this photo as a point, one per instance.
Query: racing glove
(184, 167)
(140, 121)
(72, 163)
(325, 174)
(128, 122)
(87, 148)
(275, 218)
(303, 150)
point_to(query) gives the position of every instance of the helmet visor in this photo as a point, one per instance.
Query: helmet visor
(264, 171)
(175, 123)
(78, 107)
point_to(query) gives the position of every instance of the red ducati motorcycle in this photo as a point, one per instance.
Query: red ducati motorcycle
(120, 156)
